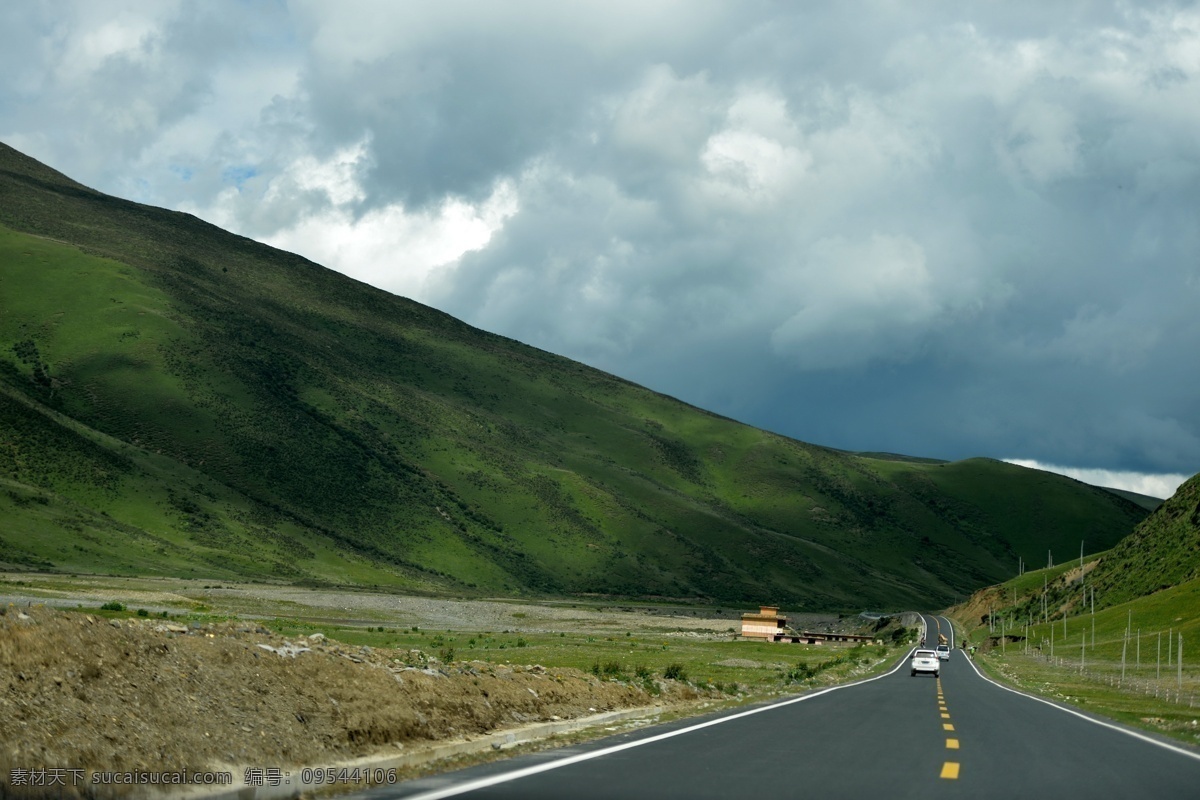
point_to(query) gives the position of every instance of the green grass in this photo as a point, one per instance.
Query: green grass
(189, 402)
(1163, 551)
(755, 667)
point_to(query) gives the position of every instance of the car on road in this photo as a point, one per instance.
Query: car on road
(925, 661)
(943, 652)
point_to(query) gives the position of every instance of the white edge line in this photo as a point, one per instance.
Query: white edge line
(1066, 710)
(483, 783)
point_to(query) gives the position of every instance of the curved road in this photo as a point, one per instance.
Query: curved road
(892, 736)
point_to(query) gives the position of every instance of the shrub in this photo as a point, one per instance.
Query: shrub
(612, 669)
(143, 612)
(675, 672)
(798, 673)
(112, 605)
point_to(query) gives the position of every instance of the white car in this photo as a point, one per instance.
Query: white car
(925, 661)
(943, 652)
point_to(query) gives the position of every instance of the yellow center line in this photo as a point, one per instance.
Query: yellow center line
(946, 726)
(945, 716)
(952, 744)
(950, 770)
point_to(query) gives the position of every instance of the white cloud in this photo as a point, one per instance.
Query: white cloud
(389, 246)
(1161, 486)
(397, 249)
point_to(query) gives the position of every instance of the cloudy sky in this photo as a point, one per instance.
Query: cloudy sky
(933, 228)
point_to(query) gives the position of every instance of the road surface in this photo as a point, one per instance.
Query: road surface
(895, 736)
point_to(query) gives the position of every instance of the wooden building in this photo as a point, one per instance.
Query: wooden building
(771, 626)
(766, 624)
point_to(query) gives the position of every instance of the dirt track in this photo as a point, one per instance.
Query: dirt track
(268, 601)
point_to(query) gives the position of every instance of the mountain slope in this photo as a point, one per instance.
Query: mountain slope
(1163, 551)
(177, 398)
(1160, 556)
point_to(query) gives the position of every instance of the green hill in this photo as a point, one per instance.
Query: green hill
(1163, 551)
(178, 399)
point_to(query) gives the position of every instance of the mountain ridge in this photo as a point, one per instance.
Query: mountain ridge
(239, 410)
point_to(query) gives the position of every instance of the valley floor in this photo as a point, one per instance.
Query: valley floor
(159, 675)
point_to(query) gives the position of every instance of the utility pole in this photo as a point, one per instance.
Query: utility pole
(1124, 645)
(1179, 681)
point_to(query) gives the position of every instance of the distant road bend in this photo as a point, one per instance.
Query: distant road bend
(891, 736)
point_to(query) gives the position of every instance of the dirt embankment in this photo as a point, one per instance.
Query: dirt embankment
(87, 693)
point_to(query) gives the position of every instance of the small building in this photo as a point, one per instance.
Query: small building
(766, 624)
(848, 637)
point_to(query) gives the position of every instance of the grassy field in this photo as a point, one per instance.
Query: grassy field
(733, 666)
(621, 643)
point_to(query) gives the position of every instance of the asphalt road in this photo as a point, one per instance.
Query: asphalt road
(895, 736)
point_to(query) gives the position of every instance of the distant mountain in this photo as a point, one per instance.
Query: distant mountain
(177, 399)
(1144, 500)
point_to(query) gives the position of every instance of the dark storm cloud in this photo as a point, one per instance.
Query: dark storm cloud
(456, 94)
(940, 230)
